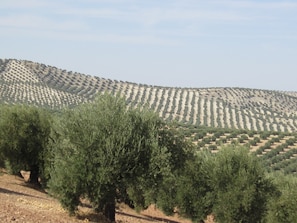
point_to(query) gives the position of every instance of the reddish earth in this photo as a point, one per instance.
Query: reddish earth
(22, 203)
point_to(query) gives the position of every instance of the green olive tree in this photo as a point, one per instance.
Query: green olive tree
(240, 186)
(102, 148)
(231, 185)
(283, 208)
(195, 195)
(24, 134)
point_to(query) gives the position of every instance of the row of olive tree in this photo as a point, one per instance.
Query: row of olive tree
(102, 150)
(107, 152)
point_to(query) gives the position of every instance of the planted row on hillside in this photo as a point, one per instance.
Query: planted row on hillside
(237, 108)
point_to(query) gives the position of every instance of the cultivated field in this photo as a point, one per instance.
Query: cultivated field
(264, 121)
(236, 108)
(278, 150)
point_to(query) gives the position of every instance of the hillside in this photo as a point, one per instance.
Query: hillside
(277, 150)
(237, 108)
(22, 203)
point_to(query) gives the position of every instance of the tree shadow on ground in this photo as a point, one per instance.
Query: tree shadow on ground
(148, 218)
(97, 217)
(33, 186)
(11, 192)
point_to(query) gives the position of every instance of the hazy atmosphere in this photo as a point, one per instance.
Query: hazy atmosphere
(178, 43)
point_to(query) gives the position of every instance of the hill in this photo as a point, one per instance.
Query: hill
(263, 121)
(237, 108)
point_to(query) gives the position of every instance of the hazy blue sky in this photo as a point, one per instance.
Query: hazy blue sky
(178, 43)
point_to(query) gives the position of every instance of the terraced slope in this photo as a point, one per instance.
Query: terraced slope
(238, 108)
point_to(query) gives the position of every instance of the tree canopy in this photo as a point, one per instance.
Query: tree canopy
(104, 148)
(231, 184)
(24, 134)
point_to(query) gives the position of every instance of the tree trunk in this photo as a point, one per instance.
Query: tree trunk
(34, 174)
(109, 210)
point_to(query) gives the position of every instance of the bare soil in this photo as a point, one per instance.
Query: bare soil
(21, 202)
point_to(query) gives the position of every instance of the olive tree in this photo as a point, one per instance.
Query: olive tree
(102, 148)
(231, 185)
(240, 186)
(283, 208)
(24, 134)
(158, 185)
(194, 197)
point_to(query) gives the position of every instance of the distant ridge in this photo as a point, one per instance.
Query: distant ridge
(28, 82)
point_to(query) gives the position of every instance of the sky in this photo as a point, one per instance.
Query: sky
(169, 43)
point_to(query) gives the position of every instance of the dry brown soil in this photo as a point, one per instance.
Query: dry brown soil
(20, 202)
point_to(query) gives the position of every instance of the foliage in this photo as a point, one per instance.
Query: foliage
(162, 189)
(240, 185)
(103, 149)
(194, 197)
(24, 134)
(283, 208)
(231, 184)
(108, 152)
